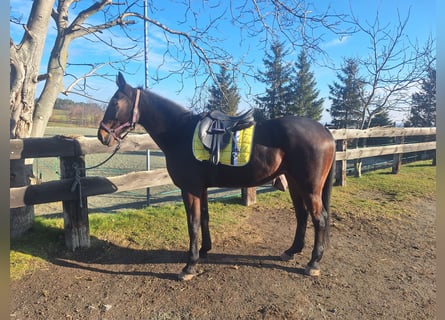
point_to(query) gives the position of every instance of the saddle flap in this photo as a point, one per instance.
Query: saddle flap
(236, 146)
(216, 129)
(212, 133)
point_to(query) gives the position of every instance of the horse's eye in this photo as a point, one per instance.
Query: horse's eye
(116, 105)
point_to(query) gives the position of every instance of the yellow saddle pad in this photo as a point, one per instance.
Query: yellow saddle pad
(236, 153)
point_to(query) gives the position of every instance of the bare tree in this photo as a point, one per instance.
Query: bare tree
(199, 54)
(25, 62)
(29, 115)
(189, 46)
(395, 64)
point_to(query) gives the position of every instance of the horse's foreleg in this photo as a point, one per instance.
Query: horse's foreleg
(206, 240)
(192, 206)
(319, 219)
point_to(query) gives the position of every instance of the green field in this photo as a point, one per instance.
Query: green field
(70, 130)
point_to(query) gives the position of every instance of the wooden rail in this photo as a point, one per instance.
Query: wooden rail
(73, 146)
(378, 132)
(60, 190)
(343, 154)
(72, 150)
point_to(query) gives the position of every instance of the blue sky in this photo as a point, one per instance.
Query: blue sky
(422, 23)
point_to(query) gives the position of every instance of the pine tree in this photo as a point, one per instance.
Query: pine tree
(346, 96)
(224, 95)
(306, 102)
(277, 77)
(381, 120)
(423, 110)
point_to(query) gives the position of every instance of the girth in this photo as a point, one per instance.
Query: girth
(216, 128)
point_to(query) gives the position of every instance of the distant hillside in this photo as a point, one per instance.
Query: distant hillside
(67, 112)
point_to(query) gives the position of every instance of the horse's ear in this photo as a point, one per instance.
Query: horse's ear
(120, 81)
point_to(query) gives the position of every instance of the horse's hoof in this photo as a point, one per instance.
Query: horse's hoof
(183, 276)
(286, 257)
(312, 272)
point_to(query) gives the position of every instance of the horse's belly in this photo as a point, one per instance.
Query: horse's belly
(263, 167)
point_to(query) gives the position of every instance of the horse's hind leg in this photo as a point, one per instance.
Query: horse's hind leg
(205, 232)
(320, 220)
(302, 215)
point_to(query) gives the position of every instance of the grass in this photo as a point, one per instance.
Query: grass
(157, 228)
(381, 193)
(376, 194)
(33, 249)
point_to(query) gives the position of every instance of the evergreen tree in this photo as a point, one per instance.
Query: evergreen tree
(277, 77)
(346, 96)
(306, 102)
(381, 120)
(423, 109)
(224, 95)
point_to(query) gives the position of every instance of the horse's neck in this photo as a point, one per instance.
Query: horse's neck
(161, 117)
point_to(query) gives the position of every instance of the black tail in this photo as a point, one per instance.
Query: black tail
(326, 199)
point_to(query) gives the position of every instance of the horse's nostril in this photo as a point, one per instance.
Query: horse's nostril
(99, 136)
(103, 138)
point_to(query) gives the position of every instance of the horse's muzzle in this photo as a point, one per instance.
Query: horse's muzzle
(109, 136)
(105, 137)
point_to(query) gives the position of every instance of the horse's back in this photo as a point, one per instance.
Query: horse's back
(289, 131)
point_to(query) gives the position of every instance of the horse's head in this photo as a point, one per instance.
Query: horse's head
(121, 115)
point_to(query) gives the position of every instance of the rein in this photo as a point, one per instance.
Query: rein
(118, 137)
(77, 183)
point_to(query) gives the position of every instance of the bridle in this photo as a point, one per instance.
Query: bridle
(121, 132)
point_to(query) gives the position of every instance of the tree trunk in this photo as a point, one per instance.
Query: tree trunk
(25, 60)
(53, 86)
(21, 219)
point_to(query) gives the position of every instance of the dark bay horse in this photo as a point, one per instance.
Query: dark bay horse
(301, 149)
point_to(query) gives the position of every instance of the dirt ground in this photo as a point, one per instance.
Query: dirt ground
(374, 269)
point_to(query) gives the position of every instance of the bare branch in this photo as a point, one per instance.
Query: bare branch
(393, 66)
(83, 78)
(79, 30)
(85, 14)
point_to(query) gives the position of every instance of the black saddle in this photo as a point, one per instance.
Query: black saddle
(216, 128)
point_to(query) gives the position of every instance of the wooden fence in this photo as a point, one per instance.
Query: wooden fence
(74, 187)
(397, 148)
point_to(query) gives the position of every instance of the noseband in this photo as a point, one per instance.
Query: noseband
(121, 132)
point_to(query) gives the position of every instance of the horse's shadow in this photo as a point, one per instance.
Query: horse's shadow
(108, 258)
(100, 257)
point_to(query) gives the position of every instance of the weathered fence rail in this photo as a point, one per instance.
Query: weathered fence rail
(77, 147)
(73, 190)
(342, 136)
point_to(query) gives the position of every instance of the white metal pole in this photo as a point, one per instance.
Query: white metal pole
(146, 80)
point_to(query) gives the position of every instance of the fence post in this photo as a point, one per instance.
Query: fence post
(397, 160)
(248, 196)
(341, 166)
(75, 212)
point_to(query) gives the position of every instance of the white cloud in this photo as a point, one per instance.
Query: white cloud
(342, 40)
